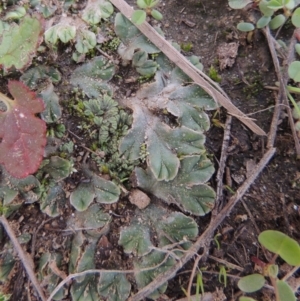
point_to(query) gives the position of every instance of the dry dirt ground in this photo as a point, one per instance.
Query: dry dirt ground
(272, 202)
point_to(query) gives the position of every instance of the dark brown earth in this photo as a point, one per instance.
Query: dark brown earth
(272, 202)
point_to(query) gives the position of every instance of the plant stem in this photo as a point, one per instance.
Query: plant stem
(291, 98)
(274, 283)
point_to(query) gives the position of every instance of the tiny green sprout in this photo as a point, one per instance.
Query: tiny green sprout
(186, 46)
(223, 275)
(285, 247)
(213, 74)
(216, 240)
(147, 8)
(199, 285)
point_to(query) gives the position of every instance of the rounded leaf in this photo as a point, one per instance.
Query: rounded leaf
(238, 4)
(141, 4)
(297, 126)
(277, 21)
(266, 11)
(297, 48)
(294, 71)
(138, 17)
(296, 114)
(279, 243)
(285, 291)
(245, 27)
(82, 196)
(156, 14)
(296, 17)
(263, 21)
(246, 299)
(251, 283)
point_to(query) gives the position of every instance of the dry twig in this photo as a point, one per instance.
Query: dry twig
(25, 257)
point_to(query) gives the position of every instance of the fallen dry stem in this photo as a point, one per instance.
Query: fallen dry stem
(282, 93)
(206, 235)
(188, 68)
(24, 257)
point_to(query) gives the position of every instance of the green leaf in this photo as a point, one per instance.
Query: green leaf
(244, 26)
(7, 263)
(53, 110)
(85, 290)
(279, 243)
(66, 33)
(18, 44)
(106, 192)
(277, 21)
(246, 299)
(131, 38)
(238, 4)
(82, 196)
(135, 239)
(53, 201)
(156, 15)
(276, 4)
(176, 228)
(297, 48)
(45, 272)
(186, 190)
(263, 21)
(143, 278)
(92, 77)
(138, 17)
(294, 71)
(17, 13)
(263, 6)
(141, 4)
(96, 10)
(58, 168)
(296, 17)
(114, 287)
(34, 75)
(85, 41)
(285, 291)
(251, 283)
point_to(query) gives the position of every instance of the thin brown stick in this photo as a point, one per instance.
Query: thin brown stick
(282, 94)
(192, 277)
(202, 240)
(195, 74)
(222, 164)
(25, 257)
(226, 263)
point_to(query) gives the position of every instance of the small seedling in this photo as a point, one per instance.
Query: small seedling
(285, 247)
(147, 9)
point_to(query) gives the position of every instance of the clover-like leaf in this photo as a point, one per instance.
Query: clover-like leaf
(177, 228)
(23, 134)
(53, 109)
(85, 290)
(135, 239)
(7, 263)
(53, 201)
(58, 168)
(186, 190)
(294, 71)
(82, 196)
(160, 263)
(138, 17)
(85, 41)
(131, 38)
(47, 261)
(106, 192)
(96, 10)
(18, 44)
(114, 286)
(33, 75)
(92, 77)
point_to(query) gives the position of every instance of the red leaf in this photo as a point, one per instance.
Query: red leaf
(23, 134)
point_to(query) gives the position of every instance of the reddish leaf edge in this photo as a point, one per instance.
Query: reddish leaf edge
(7, 101)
